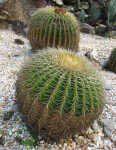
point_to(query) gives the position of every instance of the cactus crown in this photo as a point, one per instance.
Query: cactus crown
(69, 61)
(60, 11)
(59, 86)
(53, 27)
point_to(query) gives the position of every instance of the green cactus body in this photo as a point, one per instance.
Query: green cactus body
(95, 10)
(53, 27)
(111, 10)
(112, 61)
(59, 93)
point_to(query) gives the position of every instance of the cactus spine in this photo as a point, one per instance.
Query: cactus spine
(59, 93)
(112, 61)
(53, 27)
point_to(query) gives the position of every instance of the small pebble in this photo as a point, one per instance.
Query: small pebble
(19, 41)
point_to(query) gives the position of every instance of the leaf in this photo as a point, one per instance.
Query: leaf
(29, 143)
(114, 24)
(112, 2)
(82, 14)
(112, 12)
(95, 11)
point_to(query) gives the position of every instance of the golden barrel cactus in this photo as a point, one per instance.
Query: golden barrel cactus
(53, 27)
(59, 93)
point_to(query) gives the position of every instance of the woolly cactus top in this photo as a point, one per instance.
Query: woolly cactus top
(70, 61)
(54, 10)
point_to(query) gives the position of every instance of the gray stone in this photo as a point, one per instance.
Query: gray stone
(108, 126)
(95, 128)
(109, 87)
(114, 109)
(86, 28)
(114, 139)
(69, 8)
(104, 62)
(2, 2)
(93, 56)
(17, 10)
(80, 140)
(4, 24)
(111, 101)
(19, 41)
(91, 136)
(84, 5)
(100, 29)
(59, 2)
(111, 34)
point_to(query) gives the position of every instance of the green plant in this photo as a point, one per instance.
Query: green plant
(52, 27)
(83, 15)
(8, 115)
(112, 61)
(32, 142)
(29, 143)
(114, 24)
(20, 131)
(18, 139)
(111, 10)
(95, 10)
(59, 93)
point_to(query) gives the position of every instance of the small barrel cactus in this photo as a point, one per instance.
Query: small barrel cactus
(53, 27)
(59, 93)
(112, 61)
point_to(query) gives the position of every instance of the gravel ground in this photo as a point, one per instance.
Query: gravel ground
(13, 131)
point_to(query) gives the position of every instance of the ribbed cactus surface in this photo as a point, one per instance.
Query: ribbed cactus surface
(59, 92)
(53, 27)
(112, 61)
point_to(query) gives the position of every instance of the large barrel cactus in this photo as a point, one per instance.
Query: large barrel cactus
(52, 27)
(59, 93)
(112, 61)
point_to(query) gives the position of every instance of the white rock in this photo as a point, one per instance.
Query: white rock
(59, 2)
(91, 136)
(95, 128)
(41, 142)
(65, 144)
(10, 132)
(13, 129)
(15, 134)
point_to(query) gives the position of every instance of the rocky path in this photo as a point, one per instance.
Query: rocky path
(14, 133)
